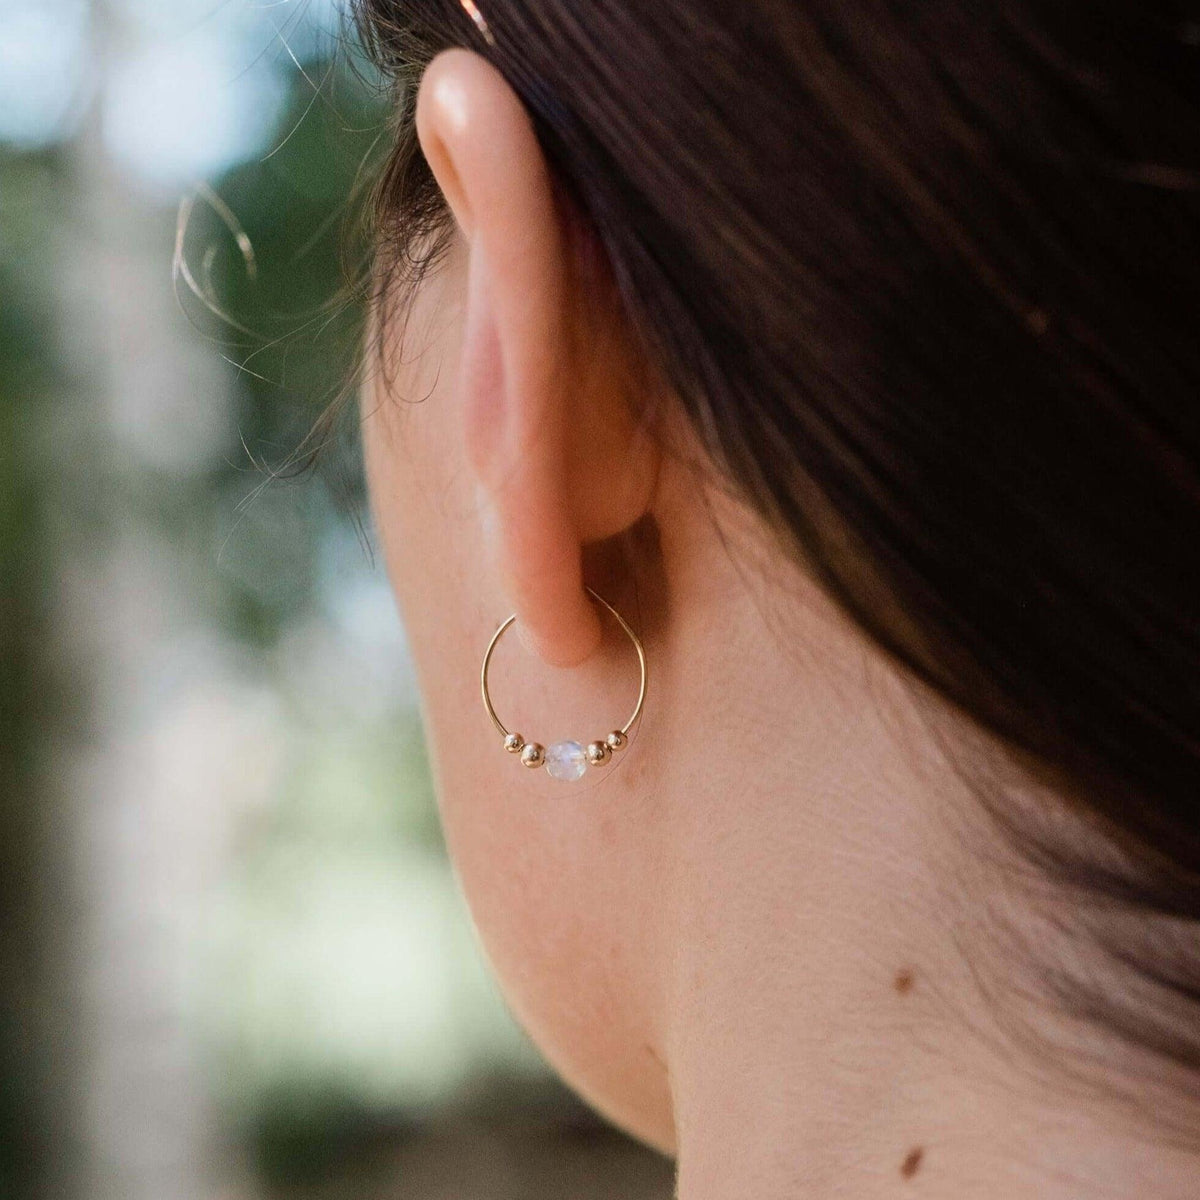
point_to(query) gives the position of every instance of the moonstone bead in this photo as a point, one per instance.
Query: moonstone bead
(566, 761)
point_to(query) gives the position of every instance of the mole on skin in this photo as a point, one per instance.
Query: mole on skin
(904, 981)
(912, 1164)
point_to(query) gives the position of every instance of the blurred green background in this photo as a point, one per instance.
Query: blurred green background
(233, 959)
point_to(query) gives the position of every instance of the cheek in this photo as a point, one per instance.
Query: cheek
(551, 872)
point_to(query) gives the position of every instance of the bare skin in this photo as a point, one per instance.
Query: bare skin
(759, 940)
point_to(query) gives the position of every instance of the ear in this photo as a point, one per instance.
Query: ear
(545, 378)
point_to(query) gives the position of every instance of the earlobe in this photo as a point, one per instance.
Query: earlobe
(547, 435)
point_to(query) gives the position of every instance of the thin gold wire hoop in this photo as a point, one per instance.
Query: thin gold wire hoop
(532, 753)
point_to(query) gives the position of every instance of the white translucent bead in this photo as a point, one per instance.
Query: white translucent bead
(566, 761)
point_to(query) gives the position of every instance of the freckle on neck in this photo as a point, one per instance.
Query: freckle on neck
(912, 1163)
(903, 983)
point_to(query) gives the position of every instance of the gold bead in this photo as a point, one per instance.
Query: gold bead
(598, 753)
(533, 756)
(514, 743)
(616, 740)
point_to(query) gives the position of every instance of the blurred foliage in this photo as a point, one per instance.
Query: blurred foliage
(290, 321)
(507, 1139)
(63, 483)
(30, 376)
(303, 1135)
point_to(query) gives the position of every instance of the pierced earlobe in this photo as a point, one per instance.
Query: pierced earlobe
(569, 760)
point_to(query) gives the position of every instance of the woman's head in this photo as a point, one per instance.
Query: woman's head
(774, 314)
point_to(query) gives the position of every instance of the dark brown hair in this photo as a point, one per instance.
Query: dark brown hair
(926, 277)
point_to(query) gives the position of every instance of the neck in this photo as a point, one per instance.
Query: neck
(828, 1028)
(771, 1107)
(831, 1042)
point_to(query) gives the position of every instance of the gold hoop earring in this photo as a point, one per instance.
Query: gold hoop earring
(568, 760)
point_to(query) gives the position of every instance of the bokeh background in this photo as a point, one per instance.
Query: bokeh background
(233, 959)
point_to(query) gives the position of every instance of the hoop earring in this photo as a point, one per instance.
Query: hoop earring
(569, 760)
